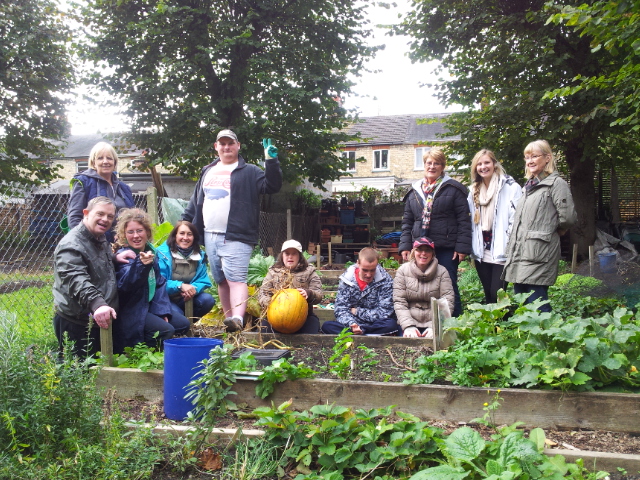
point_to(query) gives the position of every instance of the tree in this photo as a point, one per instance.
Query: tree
(504, 59)
(35, 74)
(614, 27)
(265, 68)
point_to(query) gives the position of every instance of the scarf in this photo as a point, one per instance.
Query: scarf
(151, 279)
(429, 192)
(185, 252)
(532, 182)
(486, 204)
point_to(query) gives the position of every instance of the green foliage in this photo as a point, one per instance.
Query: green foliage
(208, 390)
(51, 420)
(278, 372)
(367, 361)
(161, 233)
(390, 263)
(141, 356)
(340, 361)
(276, 74)
(306, 198)
(612, 27)
(533, 349)
(333, 442)
(254, 458)
(258, 268)
(36, 76)
(469, 284)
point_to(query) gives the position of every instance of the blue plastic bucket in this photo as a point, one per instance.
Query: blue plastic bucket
(181, 358)
(607, 262)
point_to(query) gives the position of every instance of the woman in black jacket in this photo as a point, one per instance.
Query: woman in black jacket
(437, 207)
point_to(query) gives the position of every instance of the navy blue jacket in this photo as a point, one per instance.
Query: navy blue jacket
(89, 184)
(133, 291)
(248, 182)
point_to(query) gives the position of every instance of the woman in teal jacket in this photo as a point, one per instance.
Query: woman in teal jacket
(183, 264)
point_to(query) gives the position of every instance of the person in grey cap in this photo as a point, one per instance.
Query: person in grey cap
(231, 185)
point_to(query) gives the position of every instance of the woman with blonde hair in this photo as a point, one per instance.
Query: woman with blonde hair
(544, 213)
(492, 200)
(437, 207)
(100, 179)
(145, 313)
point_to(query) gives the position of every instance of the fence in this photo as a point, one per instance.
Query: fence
(30, 230)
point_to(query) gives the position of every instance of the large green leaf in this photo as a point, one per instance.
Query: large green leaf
(443, 472)
(465, 444)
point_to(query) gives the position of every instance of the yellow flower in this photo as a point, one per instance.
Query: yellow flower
(486, 404)
(633, 369)
(498, 391)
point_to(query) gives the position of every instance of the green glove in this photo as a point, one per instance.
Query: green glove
(270, 151)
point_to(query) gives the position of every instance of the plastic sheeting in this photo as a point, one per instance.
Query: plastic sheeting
(172, 209)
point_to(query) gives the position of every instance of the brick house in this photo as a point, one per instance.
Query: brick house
(392, 147)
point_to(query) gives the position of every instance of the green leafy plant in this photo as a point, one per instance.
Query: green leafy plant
(258, 267)
(390, 263)
(340, 361)
(279, 371)
(161, 233)
(367, 360)
(140, 356)
(534, 349)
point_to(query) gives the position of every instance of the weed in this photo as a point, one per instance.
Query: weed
(340, 361)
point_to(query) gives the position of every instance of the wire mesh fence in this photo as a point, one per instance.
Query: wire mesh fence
(30, 229)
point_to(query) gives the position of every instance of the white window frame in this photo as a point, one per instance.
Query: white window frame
(381, 168)
(418, 162)
(352, 161)
(82, 166)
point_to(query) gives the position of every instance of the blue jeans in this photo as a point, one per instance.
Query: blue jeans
(203, 302)
(537, 291)
(445, 258)
(386, 326)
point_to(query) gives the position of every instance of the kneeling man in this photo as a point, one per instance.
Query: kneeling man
(365, 299)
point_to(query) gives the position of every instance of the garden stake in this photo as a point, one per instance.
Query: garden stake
(188, 312)
(106, 345)
(574, 258)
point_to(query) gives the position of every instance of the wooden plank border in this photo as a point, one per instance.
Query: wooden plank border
(617, 412)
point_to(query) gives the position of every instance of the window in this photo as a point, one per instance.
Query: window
(82, 166)
(351, 155)
(419, 163)
(381, 159)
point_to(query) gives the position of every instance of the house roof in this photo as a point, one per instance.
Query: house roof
(78, 146)
(398, 130)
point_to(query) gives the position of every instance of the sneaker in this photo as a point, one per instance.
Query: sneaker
(232, 324)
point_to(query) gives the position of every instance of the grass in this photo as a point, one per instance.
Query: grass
(34, 306)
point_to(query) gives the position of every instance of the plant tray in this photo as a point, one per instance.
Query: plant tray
(264, 356)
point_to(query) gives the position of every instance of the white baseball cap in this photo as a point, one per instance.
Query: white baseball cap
(291, 244)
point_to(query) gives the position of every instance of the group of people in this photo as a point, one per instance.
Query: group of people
(512, 233)
(104, 278)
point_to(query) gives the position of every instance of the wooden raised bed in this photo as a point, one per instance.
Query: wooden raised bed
(547, 409)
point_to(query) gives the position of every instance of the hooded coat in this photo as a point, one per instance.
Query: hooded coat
(533, 250)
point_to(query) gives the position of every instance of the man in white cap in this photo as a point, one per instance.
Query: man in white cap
(225, 206)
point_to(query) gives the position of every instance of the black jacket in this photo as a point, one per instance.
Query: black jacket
(247, 183)
(450, 225)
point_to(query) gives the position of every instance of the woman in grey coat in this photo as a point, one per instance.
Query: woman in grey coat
(544, 213)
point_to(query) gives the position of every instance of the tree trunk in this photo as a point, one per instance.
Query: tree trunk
(582, 174)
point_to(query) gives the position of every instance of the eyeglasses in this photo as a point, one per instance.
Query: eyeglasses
(532, 157)
(432, 164)
(137, 232)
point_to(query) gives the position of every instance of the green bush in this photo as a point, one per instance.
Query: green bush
(50, 418)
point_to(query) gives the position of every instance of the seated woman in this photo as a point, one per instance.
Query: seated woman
(415, 284)
(145, 310)
(291, 266)
(183, 264)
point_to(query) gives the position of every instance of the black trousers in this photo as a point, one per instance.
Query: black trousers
(490, 274)
(86, 340)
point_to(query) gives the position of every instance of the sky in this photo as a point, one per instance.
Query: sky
(394, 88)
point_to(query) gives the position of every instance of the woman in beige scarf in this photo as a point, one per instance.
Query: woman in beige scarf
(492, 200)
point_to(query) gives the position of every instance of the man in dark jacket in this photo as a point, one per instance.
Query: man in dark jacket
(84, 279)
(227, 185)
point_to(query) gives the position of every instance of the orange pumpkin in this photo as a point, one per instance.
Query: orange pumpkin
(287, 311)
